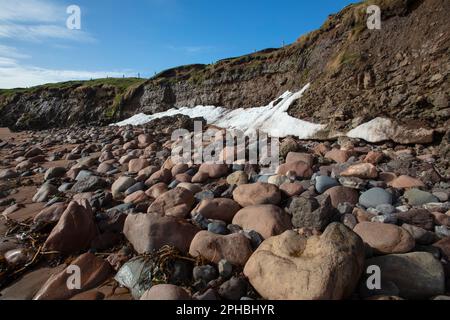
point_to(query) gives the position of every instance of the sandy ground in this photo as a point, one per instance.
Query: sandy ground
(5, 133)
(22, 194)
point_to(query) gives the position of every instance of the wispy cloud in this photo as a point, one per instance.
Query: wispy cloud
(16, 74)
(41, 32)
(7, 62)
(192, 49)
(37, 20)
(31, 10)
(11, 52)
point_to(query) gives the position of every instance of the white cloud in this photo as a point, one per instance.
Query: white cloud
(7, 62)
(15, 75)
(41, 32)
(37, 20)
(11, 52)
(31, 10)
(192, 49)
(196, 49)
(24, 76)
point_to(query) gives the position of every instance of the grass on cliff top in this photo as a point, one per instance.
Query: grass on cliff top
(122, 84)
(198, 73)
(124, 87)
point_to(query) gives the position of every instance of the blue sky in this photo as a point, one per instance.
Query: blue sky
(142, 36)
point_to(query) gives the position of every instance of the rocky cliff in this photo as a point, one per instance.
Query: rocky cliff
(401, 72)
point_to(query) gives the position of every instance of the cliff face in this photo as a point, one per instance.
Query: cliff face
(55, 107)
(401, 72)
(65, 104)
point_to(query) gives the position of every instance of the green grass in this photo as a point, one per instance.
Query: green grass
(10, 92)
(197, 74)
(197, 78)
(124, 88)
(122, 84)
(344, 57)
(305, 75)
(350, 58)
(112, 111)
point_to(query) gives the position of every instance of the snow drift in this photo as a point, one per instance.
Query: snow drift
(271, 119)
(274, 120)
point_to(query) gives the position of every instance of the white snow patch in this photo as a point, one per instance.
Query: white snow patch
(274, 120)
(376, 130)
(383, 129)
(210, 113)
(271, 119)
